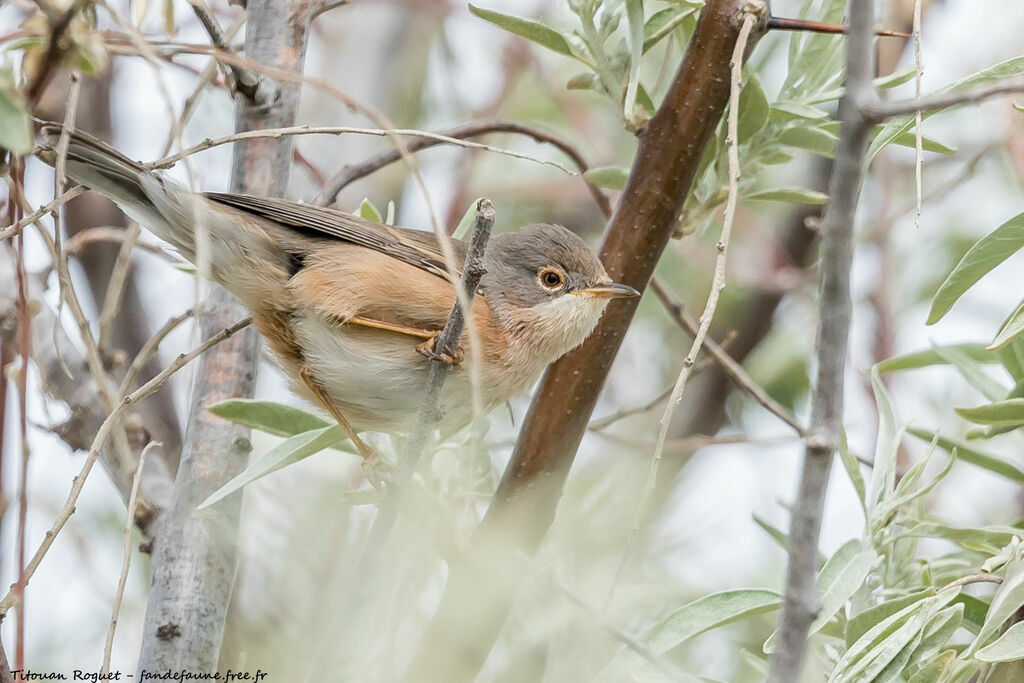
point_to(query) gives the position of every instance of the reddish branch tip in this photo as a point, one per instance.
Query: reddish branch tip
(821, 27)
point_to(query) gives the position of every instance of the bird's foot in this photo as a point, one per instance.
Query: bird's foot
(428, 349)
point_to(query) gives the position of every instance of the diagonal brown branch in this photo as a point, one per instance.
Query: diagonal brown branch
(472, 608)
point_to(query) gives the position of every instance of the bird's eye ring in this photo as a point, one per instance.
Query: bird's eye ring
(550, 278)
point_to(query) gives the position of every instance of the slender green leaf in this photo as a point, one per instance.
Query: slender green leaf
(975, 610)
(545, 36)
(1011, 329)
(612, 177)
(267, 416)
(935, 670)
(1008, 647)
(933, 356)
(860, 623)
(754, 108)
(1009, 598)
(643, 98)
(786, 111)
(898, 77)
(635, 20)
(852, 467)
(368, 211)
(1008, 413)
(466, 222)
(15, 122)
(775, 533)
(813, 139)
(972, 455)
(841, 577)
(792, 195)
(883, 473)
(709, 612)
(886, 640)
(663, 22)
(901, 124)
(973, 373)
(984, 539)
(289, 451)
(928, 144)
(937, 633)
(979, 260)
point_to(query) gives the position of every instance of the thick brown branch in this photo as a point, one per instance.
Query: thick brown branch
(473, 608)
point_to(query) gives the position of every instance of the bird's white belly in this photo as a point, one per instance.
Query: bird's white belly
(377, 379)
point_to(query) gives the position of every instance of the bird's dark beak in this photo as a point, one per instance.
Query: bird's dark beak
(609, 290)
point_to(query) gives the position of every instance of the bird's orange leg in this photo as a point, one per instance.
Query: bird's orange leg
(371, 458)
(424, 349)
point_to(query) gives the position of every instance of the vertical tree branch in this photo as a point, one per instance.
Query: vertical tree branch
(195, 554)
(481, 588)
(801, 600)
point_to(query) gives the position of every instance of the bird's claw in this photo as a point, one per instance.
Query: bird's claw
(375, 468)
(427, 348)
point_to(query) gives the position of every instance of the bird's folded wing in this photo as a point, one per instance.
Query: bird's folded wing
(351, 284)
(415, 247)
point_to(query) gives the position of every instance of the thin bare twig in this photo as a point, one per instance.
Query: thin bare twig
(107, 233)
(148, 349)
(93, 355)
(918, 137)
(980, 577)
(604, 422)
(274, 133)
(126, 562)
(882, 110)
(240, 80)
(16, 228)
(11, 598)
(116, 287)
(204, 79)
(17, 196)
(59, 183)
(54, 49)
(447, 340)
(350, 174)
(729, 366)
(800, 603)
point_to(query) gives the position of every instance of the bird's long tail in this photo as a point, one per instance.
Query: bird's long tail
(228, 246)
(162, 205)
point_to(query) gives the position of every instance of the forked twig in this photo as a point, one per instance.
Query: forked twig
(11, 598)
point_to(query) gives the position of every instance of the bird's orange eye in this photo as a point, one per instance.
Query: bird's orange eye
(550, 278)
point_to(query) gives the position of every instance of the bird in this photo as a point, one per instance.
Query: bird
(349, 307)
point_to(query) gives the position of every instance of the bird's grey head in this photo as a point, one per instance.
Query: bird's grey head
(547, 287)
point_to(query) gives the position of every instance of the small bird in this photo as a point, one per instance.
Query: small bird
(350, 307)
